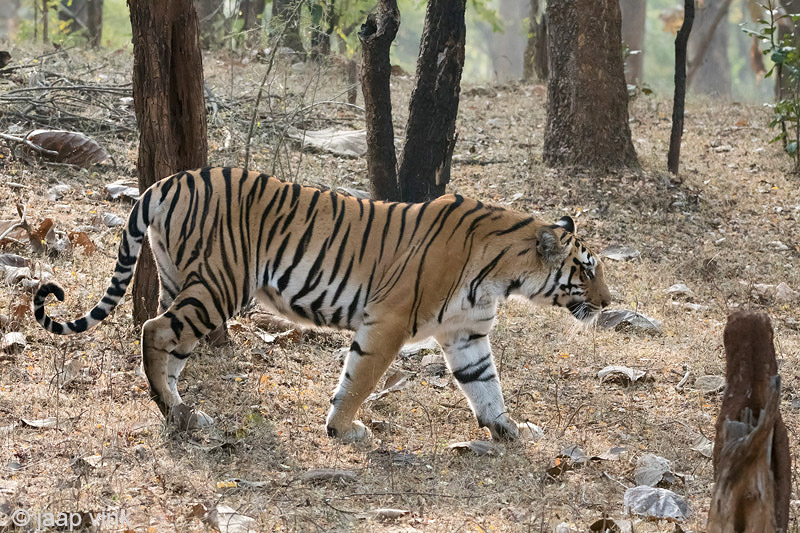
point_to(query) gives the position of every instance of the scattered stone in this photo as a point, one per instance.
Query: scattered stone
(620, 253)
(13, 343)
(317, 475)
(478, 447)
(652, 469)
(703, 446)
(621, 374)
(623, 320)
(656, 504)
(709, 384)
(680, 289)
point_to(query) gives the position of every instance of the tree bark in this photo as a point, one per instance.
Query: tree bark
(710, 70)
(752, 462)
(376, 37)
(430, 133)
(679, 99)
(535, 56)
(170, 111)
(633, 24)
(95, 22)
(587, 100)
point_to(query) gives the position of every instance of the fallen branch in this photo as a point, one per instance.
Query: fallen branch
(29, 144)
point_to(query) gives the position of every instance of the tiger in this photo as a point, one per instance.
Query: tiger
(391, 272)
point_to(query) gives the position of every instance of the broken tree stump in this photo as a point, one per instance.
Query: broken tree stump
(752, 482)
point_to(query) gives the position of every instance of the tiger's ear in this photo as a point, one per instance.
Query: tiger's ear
(567, 223)
(549, 246)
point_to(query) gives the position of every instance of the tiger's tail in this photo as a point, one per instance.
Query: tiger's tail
(129, 247)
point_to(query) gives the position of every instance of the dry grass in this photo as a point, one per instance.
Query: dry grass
(712, 230)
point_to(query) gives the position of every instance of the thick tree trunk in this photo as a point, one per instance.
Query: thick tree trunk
(710, 71)
(170, 111)
(535, 56)
(430, 132)
(587, 100)
(376, 37)
(679, 98)
(633, 23)
(752, 462)
(288, 12)
(95, 22)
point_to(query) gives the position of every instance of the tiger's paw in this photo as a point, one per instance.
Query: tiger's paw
(356, 433)
(185, 418)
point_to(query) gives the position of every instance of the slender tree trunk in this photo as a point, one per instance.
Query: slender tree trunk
(75, 14)
(535, 56)
(170, 111)
(45, 22)
(430, 132)
(376, 37)
(681, 40)
(710, 69)
(633, 23)
(210, 19)
(321, 29)
(587, 100)
(507, 48)
(95, 22)
(288, 11)
(252, 13)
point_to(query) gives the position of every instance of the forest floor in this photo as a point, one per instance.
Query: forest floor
(727, 225)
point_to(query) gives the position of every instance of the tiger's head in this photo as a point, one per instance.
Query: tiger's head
(575, 278)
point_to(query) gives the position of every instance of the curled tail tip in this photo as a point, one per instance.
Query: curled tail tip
(49, 288)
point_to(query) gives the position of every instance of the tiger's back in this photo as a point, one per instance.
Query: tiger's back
(390, 271)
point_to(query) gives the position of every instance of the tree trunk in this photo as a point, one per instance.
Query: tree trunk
(211, 19)
(376, 37)
(75, 14)
(587, 100)
(535, 56)
(170, 111)
(322, 16)
(633, 24)
(507, 48)
(95, 22)
(288, 12)
(710, 70)
(252, 14)
(679, 98)
(45, 22)
(430, 132)
(752, 462)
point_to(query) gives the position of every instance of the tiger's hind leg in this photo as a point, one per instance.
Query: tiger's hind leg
(371, 353)
(167, 341)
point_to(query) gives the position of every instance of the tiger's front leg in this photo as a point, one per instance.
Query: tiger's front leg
(469, 357)
(371, 353)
